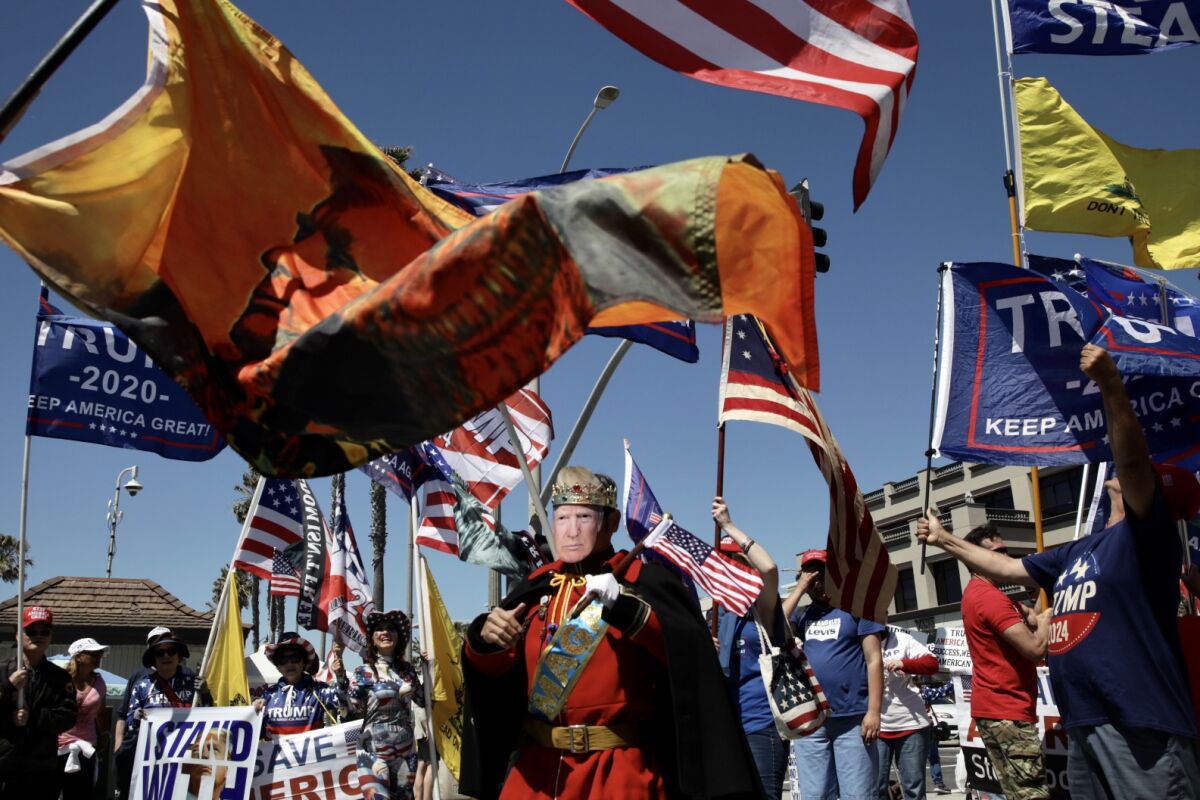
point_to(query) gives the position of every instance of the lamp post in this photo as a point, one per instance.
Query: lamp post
(115, 513)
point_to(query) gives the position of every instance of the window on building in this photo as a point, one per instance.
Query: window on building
(946, 581)
(1060, 492)
(1001, 498)
(906, 591)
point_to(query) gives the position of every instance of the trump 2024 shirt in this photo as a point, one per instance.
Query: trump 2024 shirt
(1114, 641)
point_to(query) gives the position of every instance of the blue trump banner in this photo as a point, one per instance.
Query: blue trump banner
(91, 383)
(1009, 386)
(1125, 292)
(1091, 28)
(676, 339)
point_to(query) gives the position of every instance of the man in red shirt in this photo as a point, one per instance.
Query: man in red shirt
(1006, 640)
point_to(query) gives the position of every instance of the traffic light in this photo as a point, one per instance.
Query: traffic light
(812, 211)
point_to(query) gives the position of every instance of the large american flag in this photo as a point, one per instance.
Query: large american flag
(755, 386)
(272, 525)
(860, 55)
(731, 584)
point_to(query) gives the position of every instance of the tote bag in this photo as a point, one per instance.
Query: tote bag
(797, 702)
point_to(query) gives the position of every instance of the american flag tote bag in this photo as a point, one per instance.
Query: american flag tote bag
(797, 701)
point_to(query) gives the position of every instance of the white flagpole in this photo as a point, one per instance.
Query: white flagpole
(1087, 469)
(230, 575)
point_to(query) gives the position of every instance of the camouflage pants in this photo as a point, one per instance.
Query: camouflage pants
(1015, 750)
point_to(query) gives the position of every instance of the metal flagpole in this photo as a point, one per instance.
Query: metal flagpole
(1087, 470)
(20, 99)
(21, 546)
(726, 335)
(937, 337)
(413, 554)
(1010, 185)
(534, 495)
(585, 416)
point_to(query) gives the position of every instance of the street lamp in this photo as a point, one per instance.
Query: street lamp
(604, 98)
(115, 513)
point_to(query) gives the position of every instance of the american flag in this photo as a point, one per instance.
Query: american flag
(439, 528)
(285, 580)
(643, 513)
(346, 592)
(482, 454)
(272, 524)
(755, 386)
(735, 586)
(860, 56)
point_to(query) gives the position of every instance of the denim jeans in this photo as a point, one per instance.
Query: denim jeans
(771, 758)
(935, 763)
(909, 753)
(835, 762)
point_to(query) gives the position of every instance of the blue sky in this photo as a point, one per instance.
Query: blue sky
(489, 91)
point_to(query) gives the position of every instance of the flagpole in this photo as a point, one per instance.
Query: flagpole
(427, 671)
(937, 345)
(414, 554)
(14, 108)
(535, 499)
(230, 574)
(21, 547)
(1082, 499)
(1012, 155)
(720, 469)
(585, 416)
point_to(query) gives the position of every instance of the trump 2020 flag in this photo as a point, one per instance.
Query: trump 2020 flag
(1009, 387)
(675, 338)
(322, 307)
(91, 383)
(1112, 28)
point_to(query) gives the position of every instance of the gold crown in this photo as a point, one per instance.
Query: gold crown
(579, 486)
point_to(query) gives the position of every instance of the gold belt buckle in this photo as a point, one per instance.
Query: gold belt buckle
(577, 738)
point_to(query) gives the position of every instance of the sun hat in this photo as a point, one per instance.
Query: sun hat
(86, 645)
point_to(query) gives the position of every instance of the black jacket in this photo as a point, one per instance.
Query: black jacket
(701, 741)
(50, 698)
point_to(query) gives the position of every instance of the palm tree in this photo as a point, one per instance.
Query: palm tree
(8, 558)
(241, 507)
(242, 582)
(378, 540)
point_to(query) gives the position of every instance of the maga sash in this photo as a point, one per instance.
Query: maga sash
(564, 660)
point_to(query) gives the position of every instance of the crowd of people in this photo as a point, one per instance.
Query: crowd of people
(598, 676)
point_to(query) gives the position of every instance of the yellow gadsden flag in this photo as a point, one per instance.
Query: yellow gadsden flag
(441, 641)
(1078, 180)
(224, 669)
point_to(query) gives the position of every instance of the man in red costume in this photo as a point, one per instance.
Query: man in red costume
(624, 699)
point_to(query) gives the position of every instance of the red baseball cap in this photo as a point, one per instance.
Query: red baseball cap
(1181, 490)
(34, 614)
(809, 556)
(728, 545)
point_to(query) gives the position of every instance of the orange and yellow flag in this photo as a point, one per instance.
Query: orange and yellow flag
(322, 307)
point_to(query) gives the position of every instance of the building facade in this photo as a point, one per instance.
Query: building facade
(967, 495)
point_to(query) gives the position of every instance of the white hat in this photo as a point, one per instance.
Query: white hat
(85, 646)
(156, 632)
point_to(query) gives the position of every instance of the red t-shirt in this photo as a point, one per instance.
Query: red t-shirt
(1004, 682)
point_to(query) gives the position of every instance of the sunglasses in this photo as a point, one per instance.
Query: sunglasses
(290, 658)
(165, 652)
(38, 632)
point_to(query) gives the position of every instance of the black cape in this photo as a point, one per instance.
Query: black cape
(702, 746)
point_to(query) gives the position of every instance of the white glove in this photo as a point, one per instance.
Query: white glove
(604, 587)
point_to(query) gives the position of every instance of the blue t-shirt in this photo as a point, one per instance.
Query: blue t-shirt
(833, 643)
(1114, 642)
(739, 649)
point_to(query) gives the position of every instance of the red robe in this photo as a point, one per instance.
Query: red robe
(623, 683)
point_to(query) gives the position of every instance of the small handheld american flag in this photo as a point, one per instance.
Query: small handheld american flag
(734, 586)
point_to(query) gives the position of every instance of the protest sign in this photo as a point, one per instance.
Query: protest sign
(980, 774)
(92, 383)
(949, 646)
(318, 763)
(196, 754)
